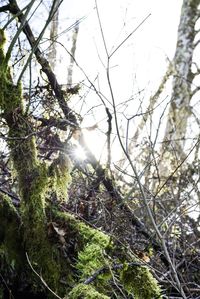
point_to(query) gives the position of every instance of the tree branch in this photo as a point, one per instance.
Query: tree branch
(5, 8)
(46, 68)
(15, 199)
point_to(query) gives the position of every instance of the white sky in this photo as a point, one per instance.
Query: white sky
(144, 53)
(140, 62)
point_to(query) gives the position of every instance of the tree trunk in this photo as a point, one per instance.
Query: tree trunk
(179, 111)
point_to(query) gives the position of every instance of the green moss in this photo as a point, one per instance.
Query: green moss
(2, 38)
(90, 259)
(2, 43)
(60, 178)
(92, 235)
(140, 282)
(89, 246)
(94, 251)
(10, 95)
(11, 249)
(9, 232)
(82, 291)
(39, 249)
(92, 256)
(85, 235)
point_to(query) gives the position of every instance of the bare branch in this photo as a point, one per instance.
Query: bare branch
(69, 114)
(5, 8)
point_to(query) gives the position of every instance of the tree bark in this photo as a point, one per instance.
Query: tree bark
(179, 110)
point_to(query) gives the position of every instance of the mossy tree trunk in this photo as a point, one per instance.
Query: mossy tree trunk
(41, 248)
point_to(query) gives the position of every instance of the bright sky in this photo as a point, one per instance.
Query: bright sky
(140, 62)
(144, 53)
(143, 56)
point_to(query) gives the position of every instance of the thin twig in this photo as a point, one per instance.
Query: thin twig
(40, 277)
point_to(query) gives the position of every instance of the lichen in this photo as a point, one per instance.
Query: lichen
(82, 291)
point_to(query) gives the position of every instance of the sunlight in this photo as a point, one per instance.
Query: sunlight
(96, 144)
(80, 153)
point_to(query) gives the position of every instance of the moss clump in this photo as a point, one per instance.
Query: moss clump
(93, 256)
(82, 291)
(88, 249)
(10, 95)
(140, 282)
(60, 178)
(94, 250)
(90, 259)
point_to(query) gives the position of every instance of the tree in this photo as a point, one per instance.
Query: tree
(44, 249)
(180, 110)
(72, 229)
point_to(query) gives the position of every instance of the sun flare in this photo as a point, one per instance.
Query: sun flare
(80, 153)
